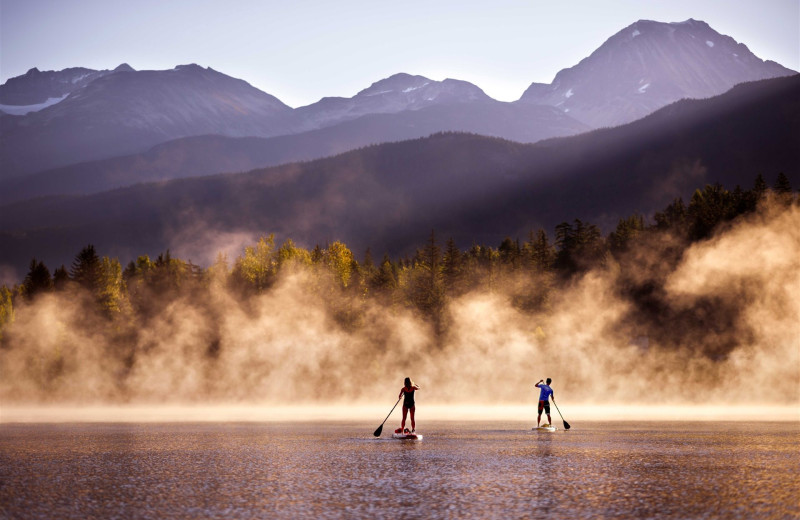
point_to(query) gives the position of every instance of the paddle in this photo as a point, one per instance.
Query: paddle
(377, 433)
(566, 424)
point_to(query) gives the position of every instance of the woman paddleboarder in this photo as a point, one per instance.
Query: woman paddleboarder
(407, 393)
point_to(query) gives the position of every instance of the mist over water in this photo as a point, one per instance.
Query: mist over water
(284, 347)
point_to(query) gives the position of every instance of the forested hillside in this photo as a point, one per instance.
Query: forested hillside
(124, 321)
(470, 187)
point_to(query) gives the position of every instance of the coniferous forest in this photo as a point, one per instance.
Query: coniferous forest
(279, 319)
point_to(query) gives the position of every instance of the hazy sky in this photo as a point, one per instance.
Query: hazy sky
(302, 50)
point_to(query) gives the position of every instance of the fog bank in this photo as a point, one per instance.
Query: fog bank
(739, 292)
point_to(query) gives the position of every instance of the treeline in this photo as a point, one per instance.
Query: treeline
(529, 271)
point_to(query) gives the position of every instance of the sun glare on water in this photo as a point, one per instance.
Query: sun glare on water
(374, 414)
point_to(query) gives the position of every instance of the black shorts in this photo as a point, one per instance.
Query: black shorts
(545, 405)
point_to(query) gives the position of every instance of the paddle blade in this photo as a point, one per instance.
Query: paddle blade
(566, 425)
(377, 433)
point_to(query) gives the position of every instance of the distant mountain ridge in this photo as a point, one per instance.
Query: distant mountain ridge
(391, 95)
(649, 65)
(36, 87)
(471, 188)
(101, 115)
(209, 154)
(128, 111)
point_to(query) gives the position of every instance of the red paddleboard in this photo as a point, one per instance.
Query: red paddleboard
(407, 436)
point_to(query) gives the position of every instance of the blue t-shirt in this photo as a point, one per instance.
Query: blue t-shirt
(546, 392)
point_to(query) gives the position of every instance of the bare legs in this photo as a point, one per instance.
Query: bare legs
(539, 417)
(405, 413)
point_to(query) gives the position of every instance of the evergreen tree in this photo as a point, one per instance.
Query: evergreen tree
(37, 280)
(452, 265)
(432, 256)
(510, 253)
(759, 186)
(540, 253)
(427, 285)
(627, 230)
(709, 207)
(782, 184)
(86, 269)
(579, 247)
(384, 280)
(783, 189)
(60, 278)
(316, 254)
(368, 262)
(368, 270)
(675, 218)
(6, 309)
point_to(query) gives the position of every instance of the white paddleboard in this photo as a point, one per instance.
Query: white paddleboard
(545, 428)
(407, 436)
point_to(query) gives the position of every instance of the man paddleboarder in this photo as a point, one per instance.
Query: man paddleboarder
(544, 400)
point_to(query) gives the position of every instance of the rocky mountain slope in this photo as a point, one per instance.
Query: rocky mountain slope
(649, 65)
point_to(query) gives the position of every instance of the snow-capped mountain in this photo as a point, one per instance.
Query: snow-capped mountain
(649, 65)
(127, 111)
(389, 96)
(37, 89)
(79, 115)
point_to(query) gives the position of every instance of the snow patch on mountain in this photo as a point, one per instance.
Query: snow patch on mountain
(409, 89)
(21, 110)
(649, 65)
(78, 78)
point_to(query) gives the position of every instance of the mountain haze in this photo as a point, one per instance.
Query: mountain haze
(649, 65)
(205, 155)
(473, 188)
(391, 95)
(129, 111)
(78, 116)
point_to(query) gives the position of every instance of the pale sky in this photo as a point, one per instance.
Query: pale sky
(302, 50)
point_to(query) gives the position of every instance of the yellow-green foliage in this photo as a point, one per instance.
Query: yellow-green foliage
(110, 292)
(339, 260)
(6, 308)
(258, 266)
(291, 255)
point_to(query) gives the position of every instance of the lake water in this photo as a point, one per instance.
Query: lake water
(461, 470)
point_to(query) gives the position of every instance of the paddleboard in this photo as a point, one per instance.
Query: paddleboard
(407, 436)
(545, 428)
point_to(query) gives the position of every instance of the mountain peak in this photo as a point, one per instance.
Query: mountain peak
(399, 82)
(124, 67)
(692, 22)
(191, 67)
(648, 65)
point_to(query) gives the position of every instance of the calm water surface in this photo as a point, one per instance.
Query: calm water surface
(460, 470)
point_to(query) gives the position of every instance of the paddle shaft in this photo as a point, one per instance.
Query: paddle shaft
(566, 424)
(378, 431)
